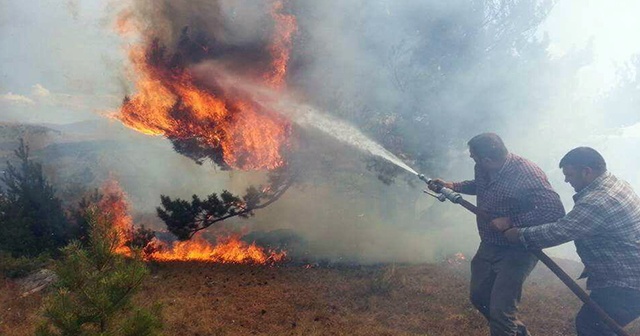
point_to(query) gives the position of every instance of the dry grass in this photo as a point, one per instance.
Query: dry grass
(18, 316)
(430, 299)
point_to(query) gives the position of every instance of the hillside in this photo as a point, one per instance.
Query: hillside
(81, 156)
(426, 299)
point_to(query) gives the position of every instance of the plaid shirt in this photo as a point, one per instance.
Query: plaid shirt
(520, 190)
(605, 224)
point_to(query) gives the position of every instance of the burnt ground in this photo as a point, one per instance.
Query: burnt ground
(426, 299)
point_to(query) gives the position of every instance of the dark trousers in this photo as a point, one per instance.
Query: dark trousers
(497, 276)
(622, 305)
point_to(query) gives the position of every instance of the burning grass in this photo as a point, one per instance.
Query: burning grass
(226, 299)
(227, 250)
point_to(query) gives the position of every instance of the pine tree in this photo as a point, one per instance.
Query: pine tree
(95, 288)
(184, 219)
(32, 220)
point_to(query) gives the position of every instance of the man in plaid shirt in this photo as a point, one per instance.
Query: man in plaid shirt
(505, 185)
(605, 225)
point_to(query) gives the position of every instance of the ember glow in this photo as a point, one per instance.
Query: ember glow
(171, 101)
(456, 258)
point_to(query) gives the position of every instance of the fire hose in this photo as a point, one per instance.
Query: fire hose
(443, 194)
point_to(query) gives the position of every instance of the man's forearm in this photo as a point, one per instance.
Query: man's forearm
(583, 220)
(546, 235)
(465, 187)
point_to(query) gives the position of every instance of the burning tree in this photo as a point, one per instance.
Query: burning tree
(182, 94)
(112, 206)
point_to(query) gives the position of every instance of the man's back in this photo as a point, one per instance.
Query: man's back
(519, 190)
(611, 249)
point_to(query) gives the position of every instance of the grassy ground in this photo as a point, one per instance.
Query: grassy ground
(428, 299)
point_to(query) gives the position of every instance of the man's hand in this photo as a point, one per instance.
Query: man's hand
(501, 224)
(437, 183)
(513, 235)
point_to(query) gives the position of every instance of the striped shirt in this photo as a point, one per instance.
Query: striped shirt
(605, 225)
(520, 190)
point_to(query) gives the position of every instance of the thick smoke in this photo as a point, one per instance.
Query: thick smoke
(236, 35)
(420, 78)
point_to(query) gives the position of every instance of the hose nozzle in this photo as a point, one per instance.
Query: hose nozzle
(430, 182)
(424, 178)
(442, 193)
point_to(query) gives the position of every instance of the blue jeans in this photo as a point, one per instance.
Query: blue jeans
(497, 275)
(622, 305)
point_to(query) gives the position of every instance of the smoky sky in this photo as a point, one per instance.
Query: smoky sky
(441, 71)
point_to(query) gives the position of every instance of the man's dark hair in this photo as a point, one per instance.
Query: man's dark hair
(582, 157)
(488, 145)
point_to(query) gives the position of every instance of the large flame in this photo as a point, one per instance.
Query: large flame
(170, 102)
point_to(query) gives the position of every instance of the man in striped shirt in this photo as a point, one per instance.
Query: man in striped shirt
(505, 185)
(605, 226)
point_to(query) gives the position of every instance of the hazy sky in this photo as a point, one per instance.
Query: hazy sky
(612, 27)
(61, 61)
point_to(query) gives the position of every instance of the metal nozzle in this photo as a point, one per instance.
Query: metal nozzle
(429, 182)
(441, 193)
(424, 178)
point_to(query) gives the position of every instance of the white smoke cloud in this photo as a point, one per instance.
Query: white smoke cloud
(12, 98)
(40, 91)
(43, 97)
(43, 105)
(632, 131)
